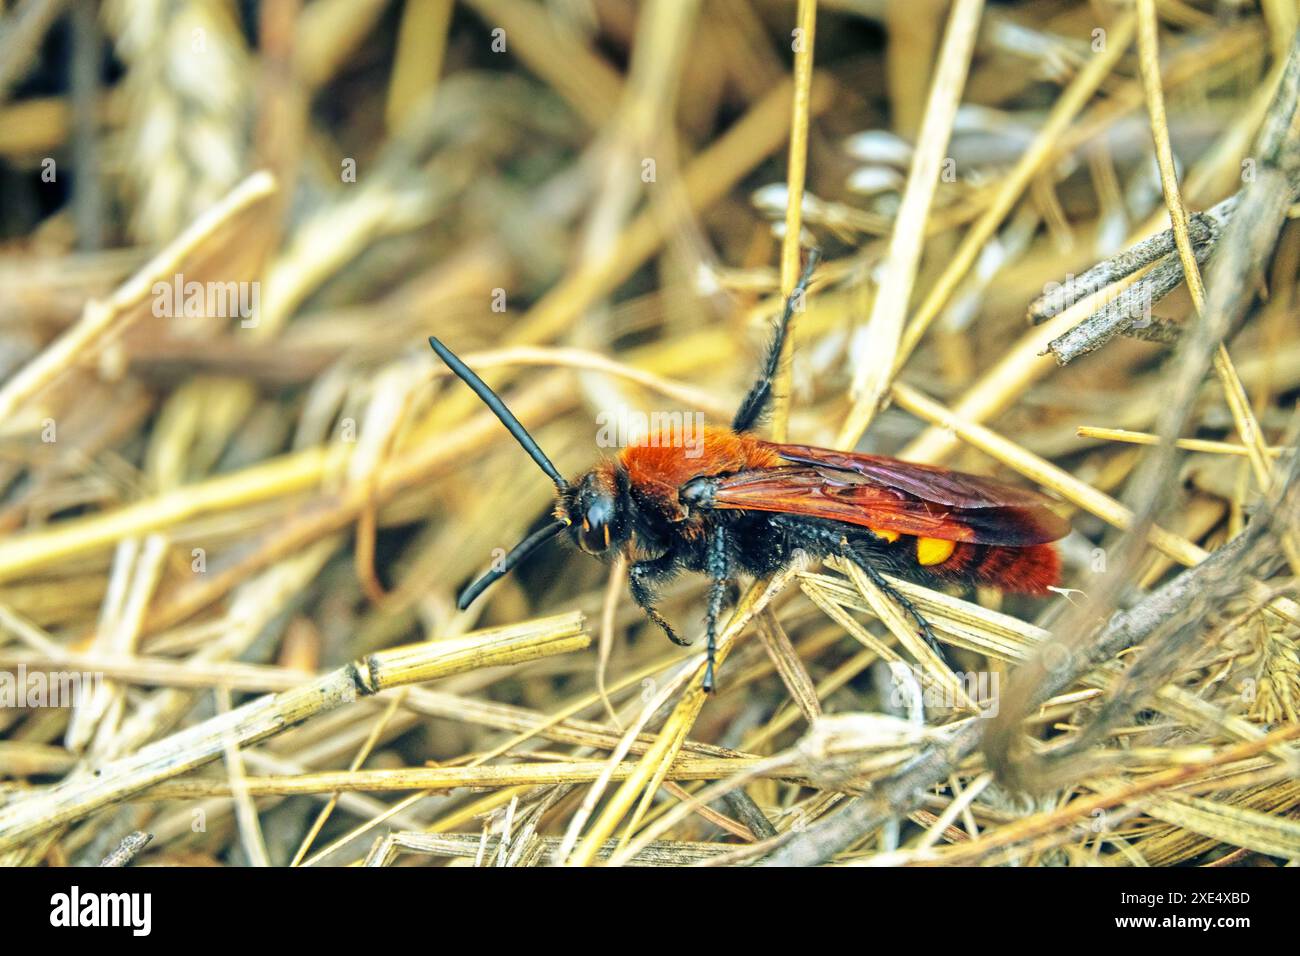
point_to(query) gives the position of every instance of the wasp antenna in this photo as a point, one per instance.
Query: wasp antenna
(498, 407)
(518, 553)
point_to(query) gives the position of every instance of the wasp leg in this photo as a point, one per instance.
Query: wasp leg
(641, 577)
(719, 570)
(825, 539)
(897, 597)
(755, 403)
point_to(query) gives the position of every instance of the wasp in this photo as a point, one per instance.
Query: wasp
(744, 506)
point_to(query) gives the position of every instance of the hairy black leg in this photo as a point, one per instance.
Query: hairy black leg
(719, 570)
(897, 597)
(828, 539)
(751, 409)
(641, 576)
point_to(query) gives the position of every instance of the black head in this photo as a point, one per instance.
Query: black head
(597, 508)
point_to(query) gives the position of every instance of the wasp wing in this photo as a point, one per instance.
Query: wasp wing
(930, 482)
(891, 495)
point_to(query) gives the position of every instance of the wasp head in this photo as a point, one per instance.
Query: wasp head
(597, 509)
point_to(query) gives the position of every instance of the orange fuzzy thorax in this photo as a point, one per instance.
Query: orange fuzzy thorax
(658, 472)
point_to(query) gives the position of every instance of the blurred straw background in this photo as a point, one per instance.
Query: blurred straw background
(1055, 233)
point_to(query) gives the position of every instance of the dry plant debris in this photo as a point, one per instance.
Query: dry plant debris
(239, 495)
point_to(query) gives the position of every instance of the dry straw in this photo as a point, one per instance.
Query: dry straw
(603, 209)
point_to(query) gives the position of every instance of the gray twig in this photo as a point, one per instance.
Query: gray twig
(127, 850)
(1130, 311)
(1205, 229)
(744, 809)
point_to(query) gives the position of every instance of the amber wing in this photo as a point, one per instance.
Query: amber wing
(888, 494)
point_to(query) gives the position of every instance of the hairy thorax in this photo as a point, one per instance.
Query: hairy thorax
(656, 473)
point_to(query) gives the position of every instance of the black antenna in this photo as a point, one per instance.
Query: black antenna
(520, 551)
(498, 407)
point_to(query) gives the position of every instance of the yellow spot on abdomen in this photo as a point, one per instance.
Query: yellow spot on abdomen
(933, 550)
(890, 536)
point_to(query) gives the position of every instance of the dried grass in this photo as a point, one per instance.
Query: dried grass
(254, 531)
